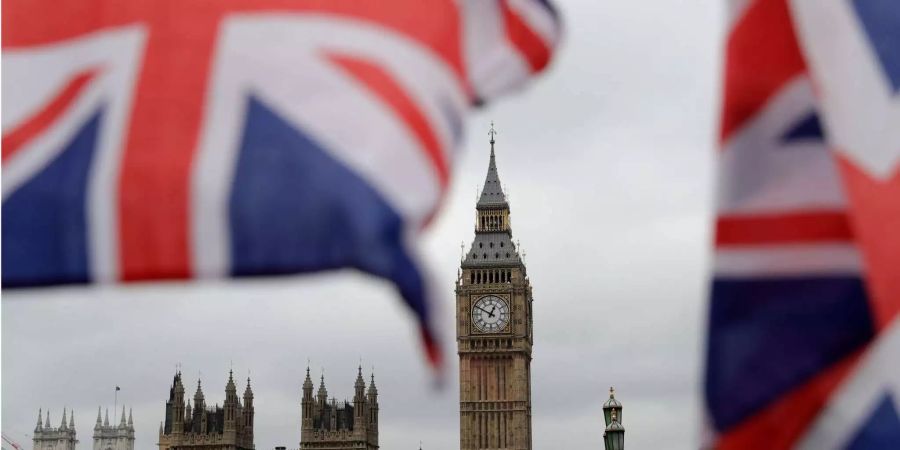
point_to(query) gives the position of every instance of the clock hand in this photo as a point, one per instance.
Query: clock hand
(492, 311)
(489, 313)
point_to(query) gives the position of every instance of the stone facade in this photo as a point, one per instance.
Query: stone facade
(60, 438)
(329, 425)
(229, 427)
(494, 330)
(115, 437)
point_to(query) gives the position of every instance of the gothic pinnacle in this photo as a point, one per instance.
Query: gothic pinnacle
(72, 420)
(130, 420)
(198, 396)
(248, 392)
(106, 418)
(373, 391)
(47, 423)
(39, 423)
(99, 420)
(230, 387)
(62, 425)
(322, 393)
(122, 422)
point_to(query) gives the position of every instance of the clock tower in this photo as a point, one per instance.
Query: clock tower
(494, 330)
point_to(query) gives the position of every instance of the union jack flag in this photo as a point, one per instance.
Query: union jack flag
(804, 332)
(174, 139)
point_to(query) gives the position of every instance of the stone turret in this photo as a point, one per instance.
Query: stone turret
(307, 404)
(199, 400)
(332, 424)
(373, 405)
(47, 437)
(175, 411)
(248, 411)
(322, 394)
(231, 404)
(359, 399)
(196, 426)
(198, 421)
(114, 437)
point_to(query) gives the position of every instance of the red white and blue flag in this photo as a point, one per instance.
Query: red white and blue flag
(804, 332)
(175, 139)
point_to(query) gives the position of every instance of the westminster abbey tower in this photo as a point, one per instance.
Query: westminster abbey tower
(494, 330)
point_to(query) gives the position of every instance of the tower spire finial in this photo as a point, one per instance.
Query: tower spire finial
(492, 195)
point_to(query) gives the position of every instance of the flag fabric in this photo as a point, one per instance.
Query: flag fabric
(803, 344)
(176, 139)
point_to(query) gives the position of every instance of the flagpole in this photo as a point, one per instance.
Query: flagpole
(115, 403)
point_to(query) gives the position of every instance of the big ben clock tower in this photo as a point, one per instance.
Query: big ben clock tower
(494, 330)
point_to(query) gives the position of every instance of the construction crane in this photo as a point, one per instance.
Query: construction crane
(11, 442)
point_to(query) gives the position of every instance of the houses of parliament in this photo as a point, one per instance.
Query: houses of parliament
(494, 335)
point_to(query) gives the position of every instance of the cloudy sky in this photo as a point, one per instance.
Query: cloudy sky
(608, 164)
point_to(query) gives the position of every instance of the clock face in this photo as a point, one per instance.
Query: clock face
(490, 314)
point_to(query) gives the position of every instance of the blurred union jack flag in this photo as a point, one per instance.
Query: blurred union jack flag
(804, 333)
(174, 139)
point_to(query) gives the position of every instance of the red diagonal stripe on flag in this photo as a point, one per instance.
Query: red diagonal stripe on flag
(383, 85)
(783, 422)
(530, 45)
(875, 207)
(762, 55)
(42, 119)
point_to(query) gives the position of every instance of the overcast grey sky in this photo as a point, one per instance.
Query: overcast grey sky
(608, 163)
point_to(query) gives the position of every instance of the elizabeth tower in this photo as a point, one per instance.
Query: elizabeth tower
(494, 330)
